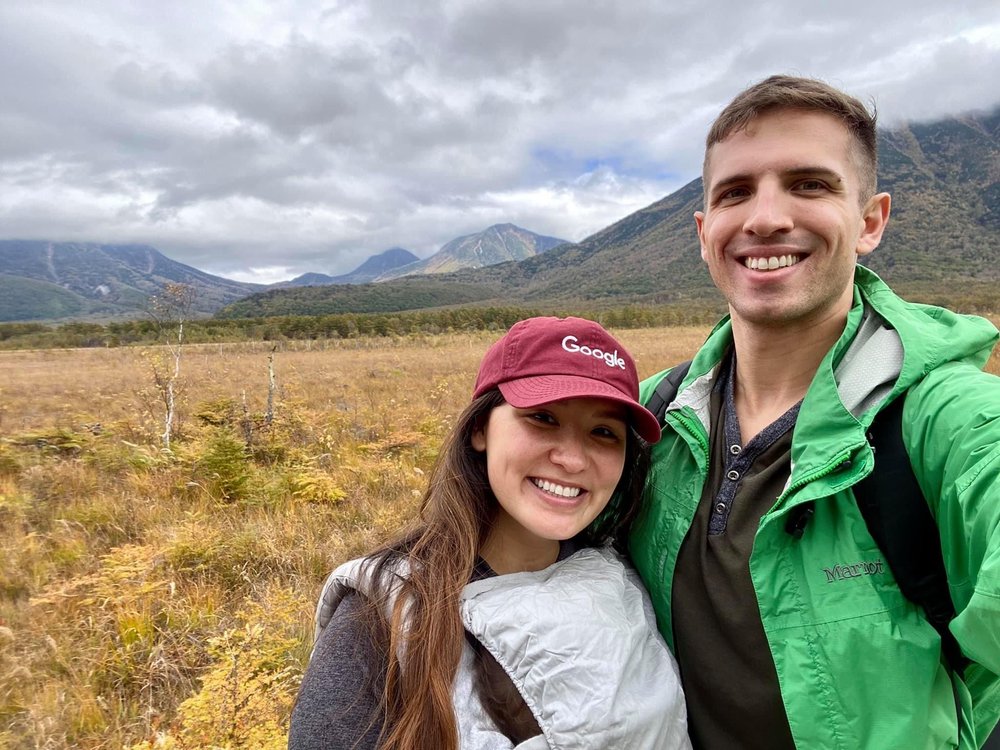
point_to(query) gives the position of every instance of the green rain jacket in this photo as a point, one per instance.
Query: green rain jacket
(858, 665)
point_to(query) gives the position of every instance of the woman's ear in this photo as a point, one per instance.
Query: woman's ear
(478, 438)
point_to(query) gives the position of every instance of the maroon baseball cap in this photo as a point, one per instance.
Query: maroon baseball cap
(541, 360)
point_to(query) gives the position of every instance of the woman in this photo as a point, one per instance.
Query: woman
(503, 618)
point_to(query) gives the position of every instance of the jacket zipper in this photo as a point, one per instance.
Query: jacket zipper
(693, 426)
(830, 468)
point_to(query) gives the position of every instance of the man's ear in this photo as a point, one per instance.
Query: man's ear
(876, 217)
(699, 223)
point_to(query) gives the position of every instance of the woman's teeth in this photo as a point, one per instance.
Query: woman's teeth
(556, 489)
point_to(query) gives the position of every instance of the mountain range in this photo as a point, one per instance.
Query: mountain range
(52, 280)
(942, 245)
(496, 244)
(942, 241)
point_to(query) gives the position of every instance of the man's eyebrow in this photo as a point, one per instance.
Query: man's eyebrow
(830, 174)
(805, 171)
(730, 180)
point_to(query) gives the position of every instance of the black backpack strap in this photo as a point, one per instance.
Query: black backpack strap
(666, 391)
(901, 523)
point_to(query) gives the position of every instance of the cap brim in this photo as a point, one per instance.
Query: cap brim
(525, 393)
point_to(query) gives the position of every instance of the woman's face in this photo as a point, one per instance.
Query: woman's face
(553, 469)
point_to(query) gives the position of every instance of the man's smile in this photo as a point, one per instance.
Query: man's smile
(771, 263)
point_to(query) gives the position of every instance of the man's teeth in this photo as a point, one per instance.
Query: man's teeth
(557, 489)
(769, 264)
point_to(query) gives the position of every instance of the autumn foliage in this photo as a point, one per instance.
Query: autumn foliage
(155, 599)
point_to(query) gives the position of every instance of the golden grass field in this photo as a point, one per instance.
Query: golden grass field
(164, 600)
(155, 600)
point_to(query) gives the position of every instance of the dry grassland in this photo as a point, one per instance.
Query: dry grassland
(164, 600)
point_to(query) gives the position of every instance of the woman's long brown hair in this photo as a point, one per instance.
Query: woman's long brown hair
(440, 551)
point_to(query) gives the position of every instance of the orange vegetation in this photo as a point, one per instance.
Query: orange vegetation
(164, 600)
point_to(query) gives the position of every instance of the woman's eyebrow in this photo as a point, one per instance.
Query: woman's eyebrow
(612, 413)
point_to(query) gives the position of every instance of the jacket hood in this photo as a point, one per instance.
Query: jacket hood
(931, 336)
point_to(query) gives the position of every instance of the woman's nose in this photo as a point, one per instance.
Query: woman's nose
(569, 453)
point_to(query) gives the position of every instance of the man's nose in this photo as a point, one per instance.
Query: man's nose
(769, 212)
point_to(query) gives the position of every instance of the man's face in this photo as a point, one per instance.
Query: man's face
(784, 222)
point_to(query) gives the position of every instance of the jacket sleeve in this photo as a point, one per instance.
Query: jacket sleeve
(951, 428)
(338, 702)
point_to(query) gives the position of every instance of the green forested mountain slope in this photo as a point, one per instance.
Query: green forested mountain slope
(405, 294)
(944, 235)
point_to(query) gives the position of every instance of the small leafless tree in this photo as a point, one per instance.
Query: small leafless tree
(269, 414)
(249, 424)
(170, 309)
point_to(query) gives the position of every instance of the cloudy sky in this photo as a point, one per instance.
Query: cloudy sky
(262, 139)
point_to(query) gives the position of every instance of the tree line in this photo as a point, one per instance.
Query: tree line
(339, 326)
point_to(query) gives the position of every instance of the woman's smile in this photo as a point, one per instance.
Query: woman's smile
(559, 490)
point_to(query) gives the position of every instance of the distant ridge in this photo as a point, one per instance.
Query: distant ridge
(306, 279)
(393, 258)
(376, 265)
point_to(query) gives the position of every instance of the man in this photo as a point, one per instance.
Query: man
(778, 647)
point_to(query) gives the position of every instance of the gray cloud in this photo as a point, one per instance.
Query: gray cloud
(297, 138)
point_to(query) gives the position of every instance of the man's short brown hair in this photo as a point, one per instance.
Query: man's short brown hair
(809, 94)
